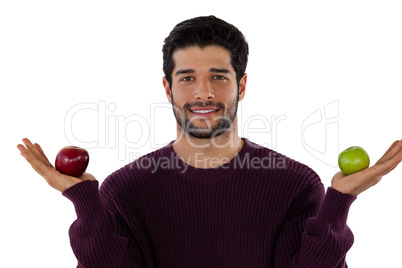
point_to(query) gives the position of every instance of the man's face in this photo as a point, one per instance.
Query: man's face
(204, 92)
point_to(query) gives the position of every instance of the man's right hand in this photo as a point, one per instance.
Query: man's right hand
(35, 156)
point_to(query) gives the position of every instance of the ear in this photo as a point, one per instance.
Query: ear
(167, 89)
(242, 87)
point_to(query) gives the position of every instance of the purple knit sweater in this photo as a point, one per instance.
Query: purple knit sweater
(261, 209)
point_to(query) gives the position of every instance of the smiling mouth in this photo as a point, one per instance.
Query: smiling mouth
(204, 113)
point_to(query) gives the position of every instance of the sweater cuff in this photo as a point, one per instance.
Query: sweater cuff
(335, 207)
(85, 197)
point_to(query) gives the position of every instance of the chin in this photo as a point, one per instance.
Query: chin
(206, 135)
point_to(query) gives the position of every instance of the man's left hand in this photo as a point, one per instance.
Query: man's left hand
(358, 182)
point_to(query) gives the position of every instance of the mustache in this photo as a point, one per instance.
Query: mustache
(217, 105)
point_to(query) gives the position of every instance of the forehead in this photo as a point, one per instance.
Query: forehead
(198, 58)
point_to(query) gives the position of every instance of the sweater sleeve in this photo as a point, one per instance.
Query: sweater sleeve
(99, 237)
(325, 238)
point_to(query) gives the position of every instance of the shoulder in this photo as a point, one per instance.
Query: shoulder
(286, 170)
(130, 176)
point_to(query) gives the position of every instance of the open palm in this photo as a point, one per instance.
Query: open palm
(358, 182)
(35, 156)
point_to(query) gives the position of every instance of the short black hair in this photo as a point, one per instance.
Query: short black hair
(204, 31)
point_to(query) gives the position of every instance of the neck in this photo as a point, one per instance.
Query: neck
(208, 153)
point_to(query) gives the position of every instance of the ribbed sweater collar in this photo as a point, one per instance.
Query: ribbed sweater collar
(208, 174)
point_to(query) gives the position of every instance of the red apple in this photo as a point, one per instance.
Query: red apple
(72, 160)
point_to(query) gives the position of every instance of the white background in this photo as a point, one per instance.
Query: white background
(304, 55)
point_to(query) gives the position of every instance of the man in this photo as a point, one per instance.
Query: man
(210, 198)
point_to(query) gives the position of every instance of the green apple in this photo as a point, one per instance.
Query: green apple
(353, 159)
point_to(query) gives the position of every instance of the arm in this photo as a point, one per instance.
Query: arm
(315, 233)
(325, 238)
(99, 237)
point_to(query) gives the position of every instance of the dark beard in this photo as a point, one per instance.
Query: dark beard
(222, 123)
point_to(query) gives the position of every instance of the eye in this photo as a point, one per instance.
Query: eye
(187, 78)
(219, 77)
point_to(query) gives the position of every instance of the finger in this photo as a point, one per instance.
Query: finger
(392, 150)
(43, 154)
(389, 149)
(33, 150)
(22, 150)
(28, 152)
(396, 161)
(36, 164)
(387, 166)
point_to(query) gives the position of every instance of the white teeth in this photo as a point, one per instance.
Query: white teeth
(203, 111)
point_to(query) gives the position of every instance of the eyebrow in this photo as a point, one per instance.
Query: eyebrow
(219, 70)
(184, 71)
(212, 70)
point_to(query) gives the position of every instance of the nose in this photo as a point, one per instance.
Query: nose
(204, 90)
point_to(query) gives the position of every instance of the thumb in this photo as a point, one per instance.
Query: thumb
(87, 176)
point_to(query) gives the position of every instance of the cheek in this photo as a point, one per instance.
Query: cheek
(180, 97)
(231, 95)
